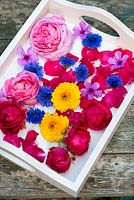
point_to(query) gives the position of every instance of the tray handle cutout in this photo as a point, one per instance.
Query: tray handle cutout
(126, 36)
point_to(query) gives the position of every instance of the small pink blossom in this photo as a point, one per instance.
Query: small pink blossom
(26, 57)
(118, 60)
(114, 98)
(82, 30)
(91, 90)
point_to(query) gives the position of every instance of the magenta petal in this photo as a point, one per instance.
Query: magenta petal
(30, 51)
(76, 31)
(118, 55)
(21, 61)
(20, 51)
(104, 56)
(12, 139)
(37, 153)
(98, 93)
(109, 100)
(31, 136)
(95, 85)
(29, 146)
(122, 91)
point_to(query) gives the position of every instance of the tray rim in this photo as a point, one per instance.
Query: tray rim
(72, 188)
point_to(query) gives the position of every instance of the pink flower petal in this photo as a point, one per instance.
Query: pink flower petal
(12, 139)
(20, 51)
(29, 146)
(114, 98)
(109, 100)
(104, 56)
(53, 68)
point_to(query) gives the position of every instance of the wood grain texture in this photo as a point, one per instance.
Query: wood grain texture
(114, 173)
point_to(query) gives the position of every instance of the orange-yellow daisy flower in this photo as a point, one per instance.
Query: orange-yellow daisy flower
(53, 126)
(66, 96)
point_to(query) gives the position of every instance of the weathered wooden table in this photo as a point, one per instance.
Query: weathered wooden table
(114, 173)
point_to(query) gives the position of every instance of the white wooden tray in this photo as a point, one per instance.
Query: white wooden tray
(73, 180)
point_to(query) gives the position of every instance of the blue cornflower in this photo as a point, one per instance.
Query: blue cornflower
(35, 115)
(114, 81)
(35, 68)
(44, 96)
(92, 40)
(66, 61)
(81, 72)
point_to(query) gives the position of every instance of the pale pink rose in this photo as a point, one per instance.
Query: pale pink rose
(23, 88)
(50, 38)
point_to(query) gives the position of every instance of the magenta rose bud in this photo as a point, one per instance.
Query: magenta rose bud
(23, 88)
(95, 115)
(58, 159)
(50, 38)
(12, 117)
(78, 140)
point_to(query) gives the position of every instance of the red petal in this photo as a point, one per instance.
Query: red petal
(29, 146)
(45, 82)
(69, 55)
(104, 56)
(109, 100)
(53, 68)
(89, 65)
(12, 139)
(90, 54)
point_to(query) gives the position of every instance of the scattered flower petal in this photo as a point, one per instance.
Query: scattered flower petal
(12, 139)
(29, 146)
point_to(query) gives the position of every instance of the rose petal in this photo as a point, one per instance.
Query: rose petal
(30, 147)
(53, 68)
(12, 139)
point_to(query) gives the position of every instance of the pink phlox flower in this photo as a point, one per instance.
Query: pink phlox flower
(91, 90)
(118, 60)
(26, 57)
(82, 30)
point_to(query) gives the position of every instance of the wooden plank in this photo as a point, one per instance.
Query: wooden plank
(112, 176)
(13, 15)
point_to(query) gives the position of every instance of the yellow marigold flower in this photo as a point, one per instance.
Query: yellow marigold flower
(66, 96)
(53, 126)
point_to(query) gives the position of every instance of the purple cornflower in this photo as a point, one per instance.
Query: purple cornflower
(91, 90)
(118, 60)
(26, 57)
(82, 30)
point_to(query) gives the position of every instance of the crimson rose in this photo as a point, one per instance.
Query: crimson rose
(12, 117)
(78, 140)
(58, 159)
(95, 115)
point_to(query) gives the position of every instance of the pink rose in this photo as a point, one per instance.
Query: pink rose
(23, 88)
(50, 38)
(77, 140)
(58, 159)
